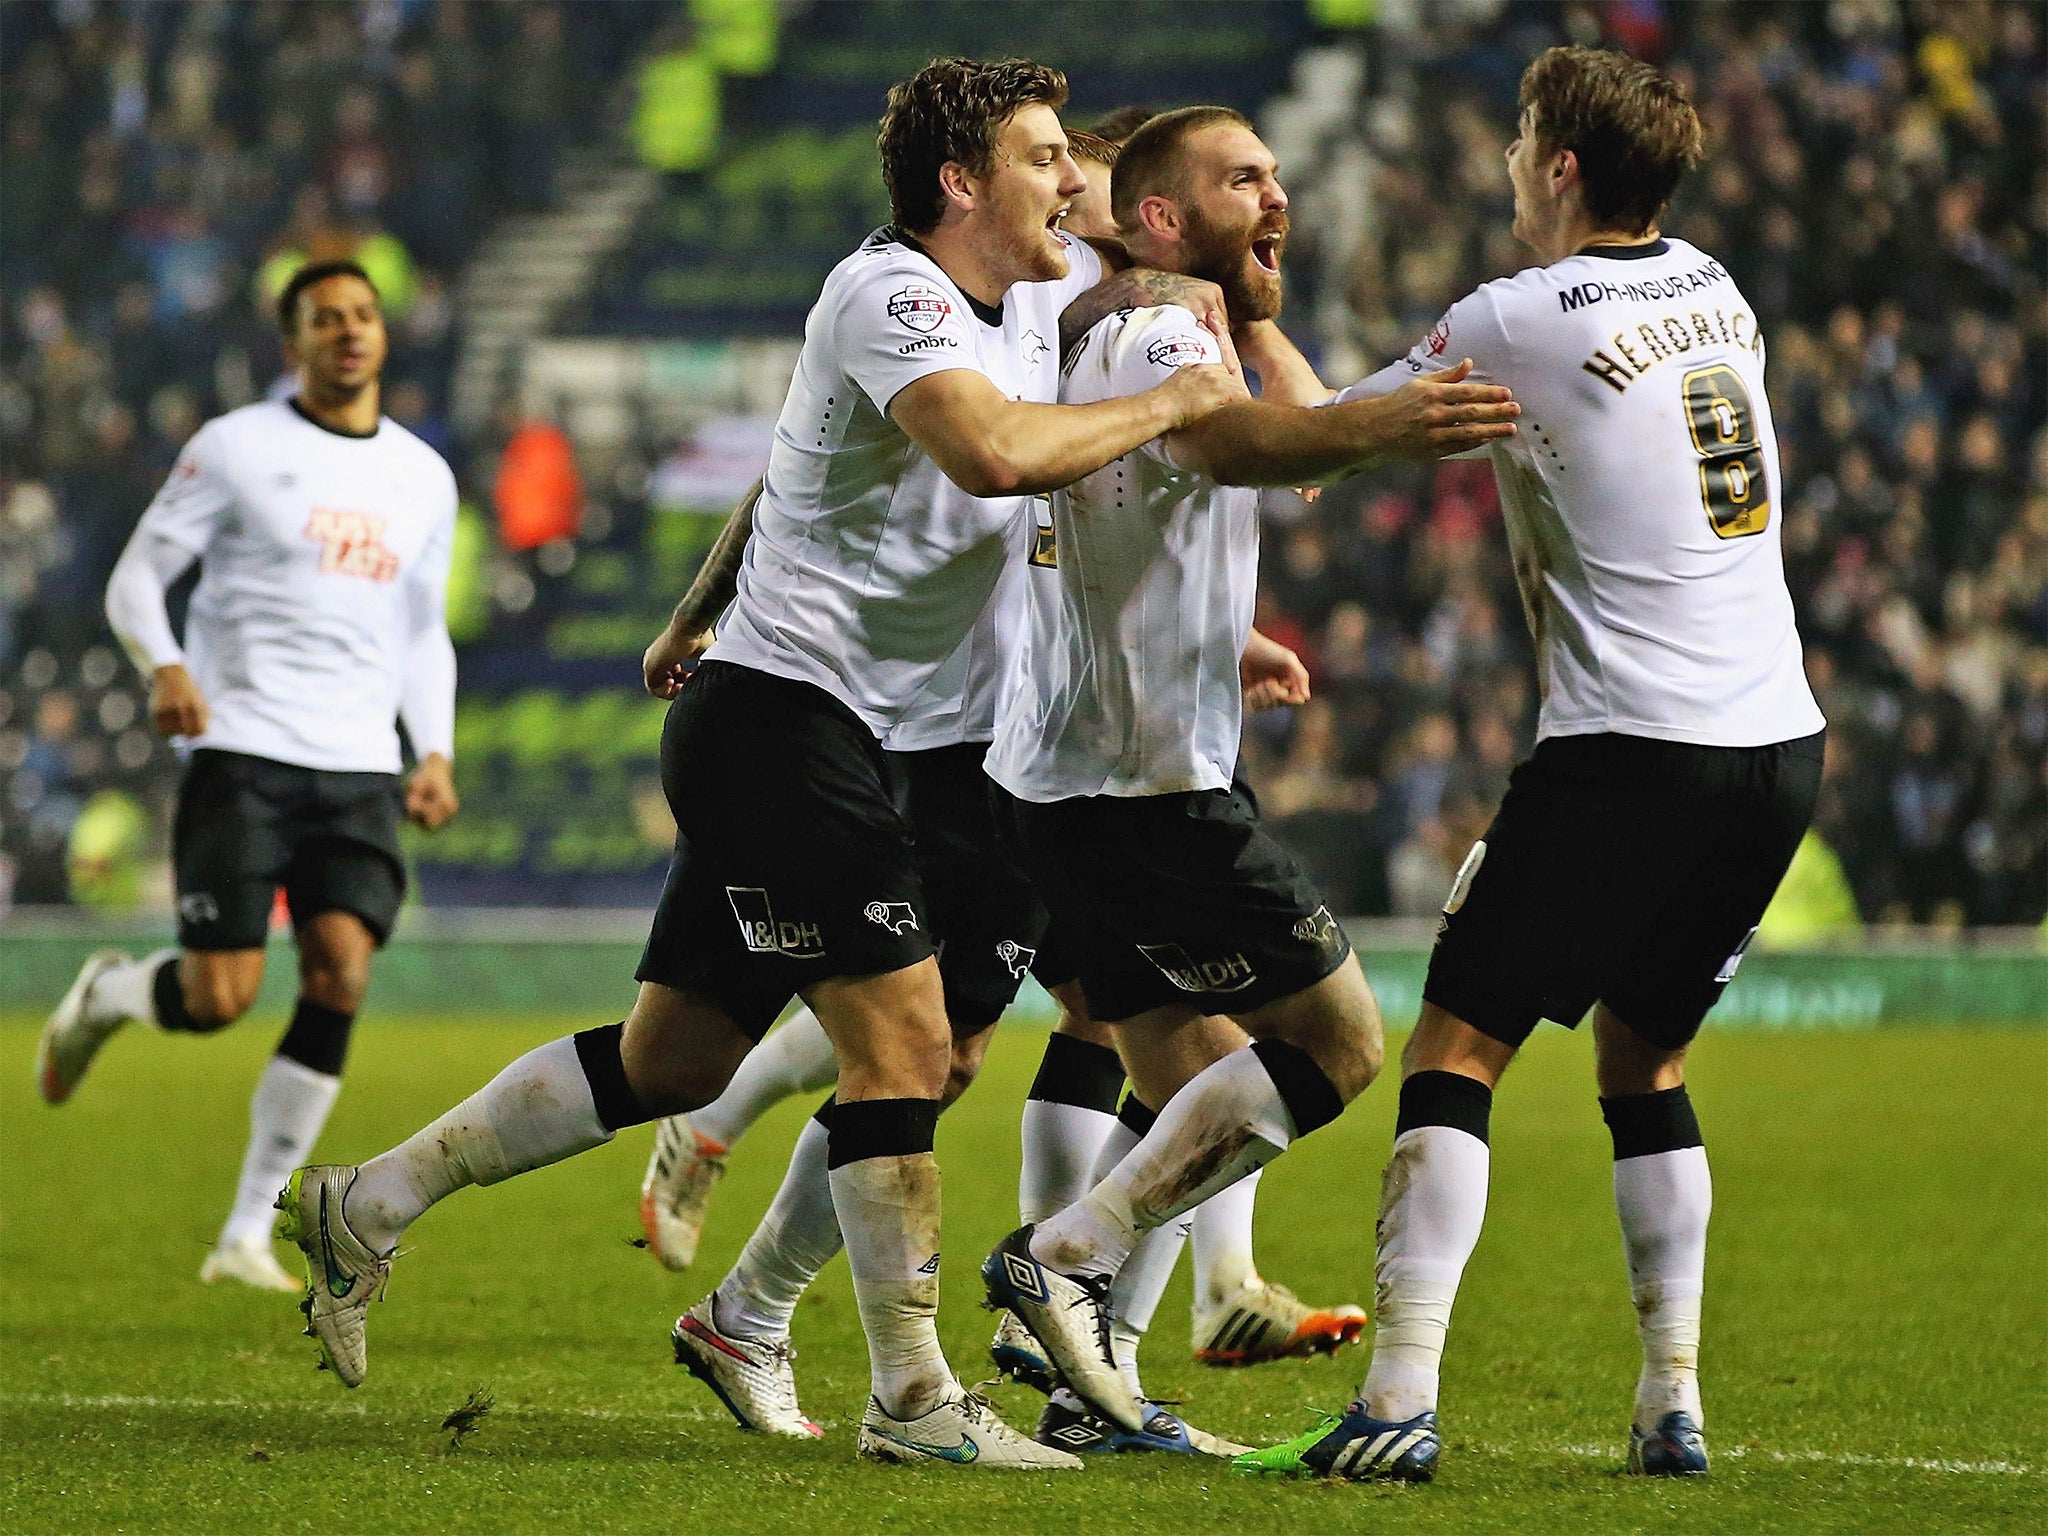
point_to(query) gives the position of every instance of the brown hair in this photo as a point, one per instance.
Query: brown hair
(1118, 125)
(1092, 146)
(1632, 127)
(1150, 164)
(952, 109)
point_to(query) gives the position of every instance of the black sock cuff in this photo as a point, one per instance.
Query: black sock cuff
(1445, 1098)
(618, 1106)
(823, 1113)
(318, 1038)
(1078, 1072)
(1311, 1098)
(1644, 1124)
(880, 1128)
(167, 992)
(1136, 1117)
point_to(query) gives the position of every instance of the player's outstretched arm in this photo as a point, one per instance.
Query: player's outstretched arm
(990, 445)
(1256, 442)
(688, 633)
(1285, 376)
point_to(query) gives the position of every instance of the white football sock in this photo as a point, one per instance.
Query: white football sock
(1061, 1144)
(1134, 1295)
(537, 1111)
(1432, 1205)
(797, 1058)
(1223, 1243)
(889, 1217)
(128, 990)
(1664, 1201)
(286, 1112)
(1228, 1120)
(796, 1239)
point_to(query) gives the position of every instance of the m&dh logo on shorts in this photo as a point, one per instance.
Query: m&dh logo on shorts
(762, 934)
(1228, 973)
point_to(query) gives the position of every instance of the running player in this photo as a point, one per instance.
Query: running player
(322, 530)
(903, 459)
(1678, 749)
(1118, 752)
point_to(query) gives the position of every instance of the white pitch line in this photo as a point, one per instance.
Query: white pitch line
(1831, 1458)
(111, 1400)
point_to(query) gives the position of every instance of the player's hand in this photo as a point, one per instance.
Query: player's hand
(1439, 414)
(667, 660)
(1270, 674)
(430, 793)
(1199, 388)
(176, 706)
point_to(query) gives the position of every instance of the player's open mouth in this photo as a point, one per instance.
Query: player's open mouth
(1059, 217)
(1266, 252)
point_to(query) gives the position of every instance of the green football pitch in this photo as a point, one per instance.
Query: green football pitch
(1876, 1350)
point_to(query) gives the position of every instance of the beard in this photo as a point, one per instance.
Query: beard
(1222, 254)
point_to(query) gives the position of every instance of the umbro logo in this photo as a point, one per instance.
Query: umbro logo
(1017, 957)
(1024, 1275)
(896, 916)
(930, 1266)
(1077, 1435)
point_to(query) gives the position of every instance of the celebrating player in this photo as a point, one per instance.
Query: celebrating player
(323, 531)
(1678, 750)
(1118, 751)
(904, 455)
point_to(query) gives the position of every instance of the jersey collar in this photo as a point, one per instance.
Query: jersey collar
(987, 314)
(308, 417)
(1626, 252)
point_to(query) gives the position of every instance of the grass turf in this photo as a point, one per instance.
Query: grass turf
(1877, 1319)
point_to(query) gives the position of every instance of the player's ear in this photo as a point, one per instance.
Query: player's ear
(1564, 172)
(957, 185)
(1159, 216)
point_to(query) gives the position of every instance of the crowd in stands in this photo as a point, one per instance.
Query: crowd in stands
(167, 166)
(1878, 186)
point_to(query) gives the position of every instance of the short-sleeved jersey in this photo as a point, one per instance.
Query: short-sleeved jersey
(1129, 684)
(869, 572)
(315, 548)
(1641, 495)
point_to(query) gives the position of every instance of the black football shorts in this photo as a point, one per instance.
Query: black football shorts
(795, 858)
(1181, 898)
(247, 825)
(1620, 870)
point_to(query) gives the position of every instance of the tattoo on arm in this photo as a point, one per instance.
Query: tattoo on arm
(1132, 288)
(717, 579)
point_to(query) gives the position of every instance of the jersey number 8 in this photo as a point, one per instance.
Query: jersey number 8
(1723, 424)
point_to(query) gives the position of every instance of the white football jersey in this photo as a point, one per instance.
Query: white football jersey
(1641, 495)
(319, 554)
(1129, 685)
(869, 572)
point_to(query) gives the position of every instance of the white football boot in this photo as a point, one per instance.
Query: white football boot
(73, 1034)
(1261, 1322)
(676, 1193)
(250, 1260)
(963, 1431)
(1069, 1316)
(753, 1377)
(342, 1275)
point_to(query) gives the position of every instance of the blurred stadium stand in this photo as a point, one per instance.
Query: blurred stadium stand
(608, 220)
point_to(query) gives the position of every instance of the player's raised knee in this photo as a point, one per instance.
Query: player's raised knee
(218, 988)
